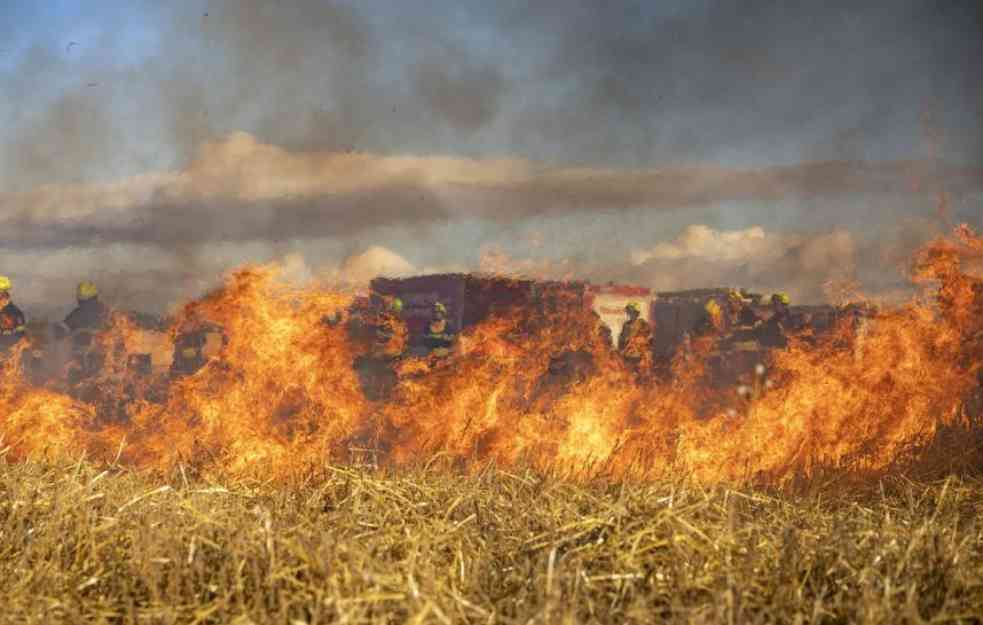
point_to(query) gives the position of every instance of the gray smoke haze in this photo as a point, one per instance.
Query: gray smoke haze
(812, 268)
(246, 130)
(797, 80)
(239, 190)
(467, 96)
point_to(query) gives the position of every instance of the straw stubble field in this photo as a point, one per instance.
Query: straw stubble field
(87, 544)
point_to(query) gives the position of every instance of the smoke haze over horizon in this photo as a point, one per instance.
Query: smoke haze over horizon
(154, 146)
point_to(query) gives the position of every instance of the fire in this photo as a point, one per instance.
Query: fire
(866, 403)
(282, 393)
(38, 421)
(533, 385)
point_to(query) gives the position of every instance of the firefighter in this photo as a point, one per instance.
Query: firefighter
(376, 369)
(90, 313)
(710, 323)
(720, 332)
(438, 339)
(88, 319)
(780, 303)
(190, 343)
(739, 312)
(601, 330)
(635, 340)
(13, 324)
(390, 331)
(774, 332)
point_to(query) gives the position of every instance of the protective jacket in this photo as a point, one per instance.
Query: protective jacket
(437, 337)
(390, 336)
(635, 344)
(774, 332)
(189, 347)
(635, 338)
(12, 326)
(89, 318)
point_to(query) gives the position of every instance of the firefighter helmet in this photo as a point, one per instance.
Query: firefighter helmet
(633, 307)
(5, 284)
(782, 298)
(87, 290)
(439, 308)
(396, 305)
(735, 295)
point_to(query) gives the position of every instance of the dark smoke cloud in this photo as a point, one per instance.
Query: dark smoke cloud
(240, 190)
(466, 95)
(829, 80)
(288, 72)
(585, 190)
(662, 106)
(570, 81)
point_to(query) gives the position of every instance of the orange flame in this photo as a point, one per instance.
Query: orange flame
(534, 385)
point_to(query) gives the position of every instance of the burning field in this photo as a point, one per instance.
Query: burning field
(490, 486)
(282, 397)
(497, 312)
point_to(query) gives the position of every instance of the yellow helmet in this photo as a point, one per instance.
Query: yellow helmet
(633, 307)
(735, 295)
(87, 290)
(781, 297)
(5, 284)
(712, 307)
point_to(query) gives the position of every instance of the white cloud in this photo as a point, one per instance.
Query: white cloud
(755, 258)
(375, 261)
(701, 241)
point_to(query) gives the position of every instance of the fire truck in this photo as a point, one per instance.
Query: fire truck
(676, 313)
(469, 299)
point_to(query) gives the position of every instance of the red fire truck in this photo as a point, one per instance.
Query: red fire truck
(468, 298)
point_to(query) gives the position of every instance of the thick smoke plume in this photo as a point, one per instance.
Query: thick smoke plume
(239, 192)
(245, 131)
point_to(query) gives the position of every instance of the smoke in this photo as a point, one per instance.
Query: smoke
(155, 158)
(753, 258)
(752, 79)
(375, 261)
(579, 81)
(159, 236)
(241, 190)
(465, 96)
(809, 266)
(806, 265)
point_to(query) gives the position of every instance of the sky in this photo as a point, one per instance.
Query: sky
(775, 145)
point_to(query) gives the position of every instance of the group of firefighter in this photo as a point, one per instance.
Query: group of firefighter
(720, 326)
(91, 317)
(85, 323)
(388, 333)
(385, 332)
(735, 321)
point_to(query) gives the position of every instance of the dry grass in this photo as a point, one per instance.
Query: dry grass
(79, 544)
